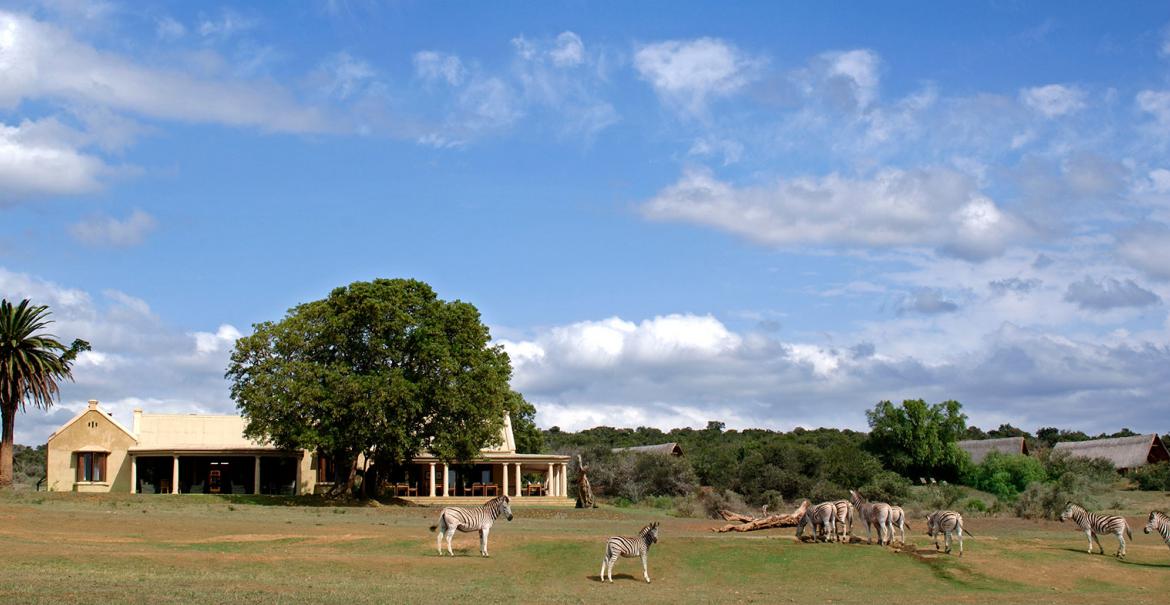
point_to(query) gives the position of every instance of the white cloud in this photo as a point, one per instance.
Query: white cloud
(42, 158)
(569, 50)
(1147, 248)
(859, 68)
(168, 28)
(1157, 104)
(137, 359)
(38, 61)
(1109, 293)
(935, 207)
(688, 73)
(434, 66)
(343, 76)
(110, 231)
(1053, 100)
(227, 24)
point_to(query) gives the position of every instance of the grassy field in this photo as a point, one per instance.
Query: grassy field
(71, 548)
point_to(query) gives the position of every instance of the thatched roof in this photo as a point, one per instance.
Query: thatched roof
(1123, 452)
(979, 448)
(666, 449)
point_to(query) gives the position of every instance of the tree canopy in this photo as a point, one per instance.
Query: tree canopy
(382, 368)
(32, 363)
(917, 439)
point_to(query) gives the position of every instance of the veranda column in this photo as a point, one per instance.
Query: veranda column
(564, 480)
(432, 494)
(519, 488)
(256, 477)
(133, 475)
(175, 476)
(505, 466)
(446, 477)
(551, 485)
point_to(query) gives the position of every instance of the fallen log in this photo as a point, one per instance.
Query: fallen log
(754, 523)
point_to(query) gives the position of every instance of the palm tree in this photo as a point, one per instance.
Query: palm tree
(31, 365)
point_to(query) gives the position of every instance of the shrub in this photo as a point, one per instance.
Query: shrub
(1094, 470)
(886, 486)
(1047, 500)
(823, 491)
(1005, 475)
(707, 502)
(974, 505)
(940, 496)
(1152, 477)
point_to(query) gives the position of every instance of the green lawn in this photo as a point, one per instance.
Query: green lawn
(170, 549)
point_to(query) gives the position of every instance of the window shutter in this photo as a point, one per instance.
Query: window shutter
(100, 467)
(80, 466)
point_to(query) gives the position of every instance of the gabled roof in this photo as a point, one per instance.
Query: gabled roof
(1123, 452)
(666, 449)
(93, 406)
(979, 448)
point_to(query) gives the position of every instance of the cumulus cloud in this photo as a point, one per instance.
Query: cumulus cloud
(934, 207)
(569, 50)
(927, 301)
(689, 73)
(852, 76)
(1147, 248)
(1109, 293)
(137, 358)
(684, 370)
(1013, 285)
(43, 158)
(110, 231)
(1053, 100)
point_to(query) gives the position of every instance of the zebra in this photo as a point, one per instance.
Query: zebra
(1159, 522)
(620, 546)
(1094, 524)
(822, 517)
(946, 522)
(844, 520)
(898, 520)
(478, 519)
(873, 514)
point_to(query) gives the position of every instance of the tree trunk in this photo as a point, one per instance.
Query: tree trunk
(584, 491)
(754, 523)
(9, 417)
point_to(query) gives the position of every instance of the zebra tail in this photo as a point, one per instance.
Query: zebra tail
(908, 525)
(1128, 532)
(968, 532)
(434, 527)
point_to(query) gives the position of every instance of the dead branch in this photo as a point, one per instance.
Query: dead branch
(754, 523)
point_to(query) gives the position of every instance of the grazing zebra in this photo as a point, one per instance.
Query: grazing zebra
(844, 520)
(620, 546)
(898, 520)
(478, 519)
(823, 518)
(1160, 523)
(946, 522)
(873, 514)
(1094, 524)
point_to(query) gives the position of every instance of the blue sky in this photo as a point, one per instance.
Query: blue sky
(771, 215)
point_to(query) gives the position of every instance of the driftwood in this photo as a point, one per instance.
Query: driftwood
(584, 491)
(753, 523)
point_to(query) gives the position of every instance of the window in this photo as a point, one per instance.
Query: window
(91, 466)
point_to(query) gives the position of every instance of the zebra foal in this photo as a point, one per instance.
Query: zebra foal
(1094, 524)
(621, 546)
(479, 519)
(1159, 522)
(946, 522)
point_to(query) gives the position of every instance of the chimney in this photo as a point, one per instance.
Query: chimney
(93, 404)
(137, 421)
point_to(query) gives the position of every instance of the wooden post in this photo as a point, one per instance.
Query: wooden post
(256, 478)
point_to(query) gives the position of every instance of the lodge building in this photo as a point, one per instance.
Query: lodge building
(209, 454)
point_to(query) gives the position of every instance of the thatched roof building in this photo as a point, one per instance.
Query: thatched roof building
(1124, 452)
(979, 448)
(666, 449)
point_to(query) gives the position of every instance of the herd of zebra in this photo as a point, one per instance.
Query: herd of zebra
(830, 521)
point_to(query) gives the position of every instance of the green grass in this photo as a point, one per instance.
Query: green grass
(171, 549)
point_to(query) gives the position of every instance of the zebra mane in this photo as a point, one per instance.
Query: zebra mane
(494, 504)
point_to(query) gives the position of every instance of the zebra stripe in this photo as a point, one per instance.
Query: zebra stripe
(1160, 523)
(844, 520)
(945, 522)
(479, 519)
(1094, 524)
(621, 546)
(898, 520)
(873, 514)
(823, 518)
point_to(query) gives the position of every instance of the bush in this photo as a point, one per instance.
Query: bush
(824, 491)
(1094, 470)
(1047, 500)
(1005, 475)
(707, 502)
(941, 496)
(886, 486)
(1152, 477)
(974, 505)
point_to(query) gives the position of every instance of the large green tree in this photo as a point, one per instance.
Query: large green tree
(31, 364)
(917, 439)
(529, 438)
(382, 368)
